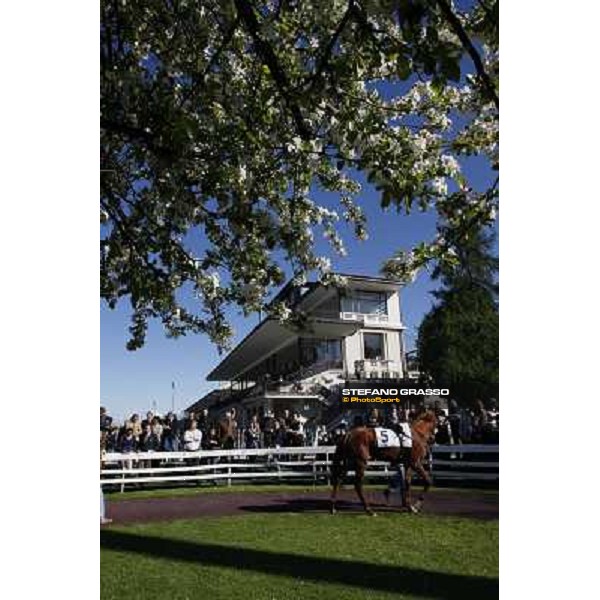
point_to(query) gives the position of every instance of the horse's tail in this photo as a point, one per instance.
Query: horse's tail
(338, 467)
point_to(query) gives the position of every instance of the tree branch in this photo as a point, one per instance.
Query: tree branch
(458, 29)
(326, 56)
(136, 133)
(269, 58)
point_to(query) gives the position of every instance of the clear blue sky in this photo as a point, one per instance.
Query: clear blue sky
(134, 381)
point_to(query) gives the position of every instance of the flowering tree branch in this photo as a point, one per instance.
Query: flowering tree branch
(458, 29)
(266, 52)
(218, 123)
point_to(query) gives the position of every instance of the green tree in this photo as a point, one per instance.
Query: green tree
(220, 118)
(458, 338)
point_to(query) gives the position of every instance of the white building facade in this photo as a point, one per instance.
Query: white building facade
(350, 332)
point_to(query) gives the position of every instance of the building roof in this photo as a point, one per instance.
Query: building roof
(268, 337)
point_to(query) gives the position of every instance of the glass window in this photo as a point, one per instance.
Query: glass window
(329, 350)
(316, 351)
(366, 303)
(373, 345)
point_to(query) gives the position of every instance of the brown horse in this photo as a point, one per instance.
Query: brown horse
(359, 445)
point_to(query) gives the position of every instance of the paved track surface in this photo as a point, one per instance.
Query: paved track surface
(472, 504)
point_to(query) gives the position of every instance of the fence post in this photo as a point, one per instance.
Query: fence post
(431, 463)
(229, 478)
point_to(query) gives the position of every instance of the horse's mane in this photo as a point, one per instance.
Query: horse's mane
(428, 415)
(427, 419)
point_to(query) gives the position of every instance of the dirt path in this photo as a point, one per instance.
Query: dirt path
(472, 504)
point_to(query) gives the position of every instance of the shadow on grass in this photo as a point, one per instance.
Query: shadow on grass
(326, 570)
(479, 509)
(302, 505)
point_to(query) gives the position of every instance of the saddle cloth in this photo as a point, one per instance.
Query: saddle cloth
(386, 438)
(406, 435)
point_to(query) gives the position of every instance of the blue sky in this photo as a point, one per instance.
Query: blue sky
(141, 380)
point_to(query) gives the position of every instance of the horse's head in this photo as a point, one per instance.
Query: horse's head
(426, 423)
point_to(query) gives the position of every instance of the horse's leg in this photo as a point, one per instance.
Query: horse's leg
(335, 482)
(403, 484)
(358, 481)
(406, 498)
(337, 471)
(420, 469)
(396, 481)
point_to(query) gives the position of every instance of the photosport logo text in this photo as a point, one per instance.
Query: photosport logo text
(371, 392)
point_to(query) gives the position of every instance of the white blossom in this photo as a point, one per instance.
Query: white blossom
(323, 263)
(450, 165)
(439, 185)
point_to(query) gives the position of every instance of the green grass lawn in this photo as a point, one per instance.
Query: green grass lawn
(302, 556)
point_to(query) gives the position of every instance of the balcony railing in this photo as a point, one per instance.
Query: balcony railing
(376, 319)
(378, 368)
(367, 318)
(292, 389)
(295, 384)
(282, 388)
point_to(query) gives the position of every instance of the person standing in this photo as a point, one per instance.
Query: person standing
(148, 419)
(192, 442)
(192, 438)
(296, 430)
(112, 438)
(280, 434)
(170, 439)
(105, 420)
(373, 420)
(135, 425)
(392, 419)
(228, 431)
(203, 422)
(103, 519)
(149, 442)
(454, 420)
(211, 442)
(268, 429)
(253, 433)
(480, 421)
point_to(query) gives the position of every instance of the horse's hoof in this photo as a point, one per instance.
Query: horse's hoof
(414, 509)
(332, 511)
(372, 514)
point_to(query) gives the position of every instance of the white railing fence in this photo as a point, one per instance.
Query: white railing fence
(459, 462)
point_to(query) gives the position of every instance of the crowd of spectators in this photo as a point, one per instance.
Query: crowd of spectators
(197, 431)
(264, 429)
(456, 425)
(156, 433)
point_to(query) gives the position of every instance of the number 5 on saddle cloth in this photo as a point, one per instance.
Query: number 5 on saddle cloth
(387, 438)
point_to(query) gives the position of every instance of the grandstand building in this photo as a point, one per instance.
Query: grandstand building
(350, 332)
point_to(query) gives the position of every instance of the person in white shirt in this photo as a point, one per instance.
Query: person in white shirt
(192, 438)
